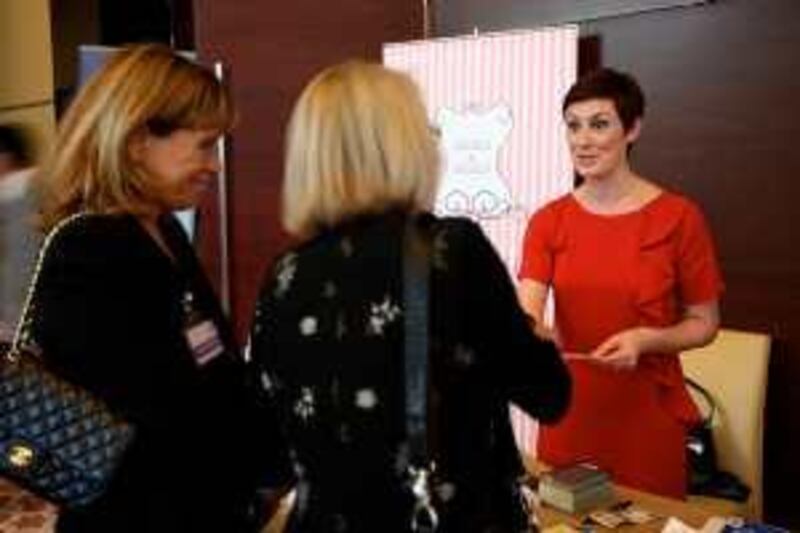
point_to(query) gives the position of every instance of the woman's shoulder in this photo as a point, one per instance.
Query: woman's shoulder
(548, 220)
(94, 235)
(556, 206)
(450, 231)
(555, 209)
(670, 215)
(452, 223)
(375, 233)
(672, 203)
(459, 241)
(93, 254)
(93, 226)
(672, 210)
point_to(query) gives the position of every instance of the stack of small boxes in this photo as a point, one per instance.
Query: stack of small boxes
(576, 489)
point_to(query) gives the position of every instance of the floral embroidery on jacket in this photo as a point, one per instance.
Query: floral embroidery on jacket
(329, 289)
(308, 326)
(286, 269)
(305, 406)
(267, 384)
(341, 327)
(347, 247)
(463, 355)
(332, 343)
(366, 399)
(382, 314)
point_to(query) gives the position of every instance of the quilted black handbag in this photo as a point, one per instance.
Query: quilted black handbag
(55, 438)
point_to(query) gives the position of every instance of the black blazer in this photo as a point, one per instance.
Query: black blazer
(109, 316)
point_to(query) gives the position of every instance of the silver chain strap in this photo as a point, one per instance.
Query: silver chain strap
(22, 333)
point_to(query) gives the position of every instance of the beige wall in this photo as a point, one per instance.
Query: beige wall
(26, 68)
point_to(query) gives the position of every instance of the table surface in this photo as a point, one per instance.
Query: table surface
(689, 512)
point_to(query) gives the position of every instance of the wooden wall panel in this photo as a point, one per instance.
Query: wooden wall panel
(271, 50)
(462, 16)
(26, 69)
(722, 80)
(26, 61)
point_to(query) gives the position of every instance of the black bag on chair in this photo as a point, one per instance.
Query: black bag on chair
(701, 455)
(704, 476)
(55, 438)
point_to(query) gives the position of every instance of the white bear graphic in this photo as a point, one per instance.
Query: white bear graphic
(471, 183)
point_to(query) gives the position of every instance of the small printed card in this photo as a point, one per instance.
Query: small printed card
(204, 342)
(621, 515)
(607, 519)
(637, 515)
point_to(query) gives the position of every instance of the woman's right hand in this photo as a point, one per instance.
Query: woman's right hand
(532, 296)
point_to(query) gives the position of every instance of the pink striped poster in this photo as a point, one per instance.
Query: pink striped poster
(496, 101)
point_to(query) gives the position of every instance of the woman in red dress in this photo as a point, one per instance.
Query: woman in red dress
(635, 281)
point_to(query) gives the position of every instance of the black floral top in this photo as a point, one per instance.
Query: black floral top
(328, 334)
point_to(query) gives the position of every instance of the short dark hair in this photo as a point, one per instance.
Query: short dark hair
(14, 141)
(619, 87)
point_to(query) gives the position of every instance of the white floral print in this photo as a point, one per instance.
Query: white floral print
(286, 269)
(305, 406)
(366, 399)
(308, 326)
(382, 314)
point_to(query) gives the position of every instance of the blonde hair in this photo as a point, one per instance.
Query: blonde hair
(140, 89)
(358, 141)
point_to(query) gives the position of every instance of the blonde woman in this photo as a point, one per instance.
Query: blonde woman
(361, 167)
(126, 311)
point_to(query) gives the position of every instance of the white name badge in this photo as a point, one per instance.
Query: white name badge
(204, 342)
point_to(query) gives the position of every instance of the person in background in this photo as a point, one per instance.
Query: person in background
(361, 172)
(126, 312)
(19, 239)
(15, 149)
(635, 281)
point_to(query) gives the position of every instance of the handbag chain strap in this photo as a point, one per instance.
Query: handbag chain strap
(22, 333)
(707, 397)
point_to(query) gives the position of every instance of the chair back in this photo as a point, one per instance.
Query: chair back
(733, 369)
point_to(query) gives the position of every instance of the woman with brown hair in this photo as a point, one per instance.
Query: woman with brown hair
(125, 311)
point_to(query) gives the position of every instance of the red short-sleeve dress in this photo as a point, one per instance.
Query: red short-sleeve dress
(610, 273)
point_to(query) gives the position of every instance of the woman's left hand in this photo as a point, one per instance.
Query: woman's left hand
(620, 351)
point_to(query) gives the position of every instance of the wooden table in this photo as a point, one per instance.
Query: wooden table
(691, 513)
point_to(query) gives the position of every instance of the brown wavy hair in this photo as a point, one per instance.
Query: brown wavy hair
(140, 89)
